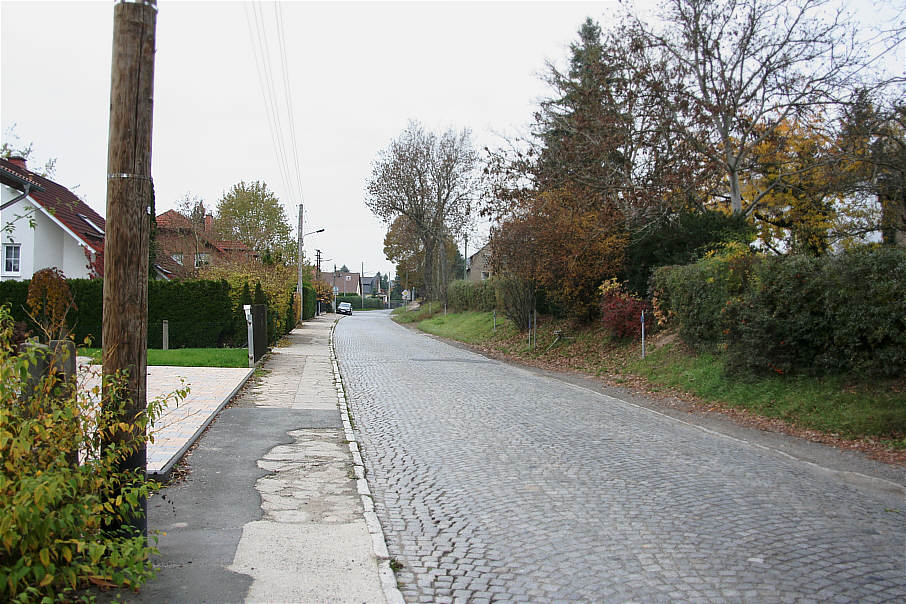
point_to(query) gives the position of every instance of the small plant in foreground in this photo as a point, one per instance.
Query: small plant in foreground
(56, 514)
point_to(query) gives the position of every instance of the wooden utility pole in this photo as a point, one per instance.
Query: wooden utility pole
(299, 287)
(125, 314)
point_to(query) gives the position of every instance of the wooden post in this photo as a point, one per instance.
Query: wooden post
(125, 314)
(299, 287)
(166, 335)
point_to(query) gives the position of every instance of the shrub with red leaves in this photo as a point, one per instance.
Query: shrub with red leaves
(621, 313)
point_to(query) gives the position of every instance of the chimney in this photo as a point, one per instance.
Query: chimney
(18, 161)
(208, 223)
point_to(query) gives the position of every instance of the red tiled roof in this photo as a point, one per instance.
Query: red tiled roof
(63, 205)
(174, 221)
(231, 246)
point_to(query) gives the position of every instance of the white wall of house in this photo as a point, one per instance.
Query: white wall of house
(46, 245)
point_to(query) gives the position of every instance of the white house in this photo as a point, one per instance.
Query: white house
(45, 225)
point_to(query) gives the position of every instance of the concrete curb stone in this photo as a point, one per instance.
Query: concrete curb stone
(379, 543)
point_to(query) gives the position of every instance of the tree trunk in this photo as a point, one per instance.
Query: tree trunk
(893, 220)
(428, 268)
(735, 193)
(443, 272)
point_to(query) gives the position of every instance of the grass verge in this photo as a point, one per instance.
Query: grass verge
(836, 406)
(833, 404)
(187, 357)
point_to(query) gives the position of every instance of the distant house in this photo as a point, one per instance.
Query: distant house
(346, 283)
(185, 247)
(479, 265)
(371, 286)
(45, 225)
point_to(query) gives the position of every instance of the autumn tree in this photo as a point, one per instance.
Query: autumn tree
(872, 148)
(406, 250)
(803, 203)
(604, 132)
(736, 70)
(561, 245)
(432, 181)
(601, 165)
(252, 214)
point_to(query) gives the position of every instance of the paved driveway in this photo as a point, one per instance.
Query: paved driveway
(497, 484)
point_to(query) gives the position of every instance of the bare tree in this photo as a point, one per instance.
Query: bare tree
(432, 180)
(739, 68)
(193, 208)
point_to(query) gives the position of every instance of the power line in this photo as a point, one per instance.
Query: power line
(287, 156)
(288, 92)
(260, 55)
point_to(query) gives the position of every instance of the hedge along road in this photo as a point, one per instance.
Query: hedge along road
(494, 483)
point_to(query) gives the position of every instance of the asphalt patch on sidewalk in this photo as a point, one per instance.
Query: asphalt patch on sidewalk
(203, 515)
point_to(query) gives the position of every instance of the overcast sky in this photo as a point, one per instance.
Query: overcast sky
(358, 72)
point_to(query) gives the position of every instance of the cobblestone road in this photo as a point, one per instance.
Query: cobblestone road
(494, 484)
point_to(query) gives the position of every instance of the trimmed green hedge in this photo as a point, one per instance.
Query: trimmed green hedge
(309, 301)
(696, 295)
(472, 295)
(794, 314)
(356, 301)
(834, 314)
(200, 313)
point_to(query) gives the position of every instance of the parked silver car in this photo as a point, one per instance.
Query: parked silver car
(344, 308)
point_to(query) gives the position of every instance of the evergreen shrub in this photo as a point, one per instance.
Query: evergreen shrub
(472, 295)
(694, 297)
(356, 301)
(832, 314)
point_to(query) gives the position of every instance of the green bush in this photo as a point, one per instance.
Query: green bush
(679, 239)
(57, 516)
(694, 297)
(832, 314)
(87, 297)
(199, 313)
(309, 301)
(472, 295)
(356, 301)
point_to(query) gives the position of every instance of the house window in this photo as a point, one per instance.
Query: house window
(11, 257)
(202, 258)
(177, 258)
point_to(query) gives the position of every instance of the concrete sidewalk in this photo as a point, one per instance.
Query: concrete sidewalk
(273, 508)
(181, 422)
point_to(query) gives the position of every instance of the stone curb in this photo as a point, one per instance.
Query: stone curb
(388, 579)
(163, 475)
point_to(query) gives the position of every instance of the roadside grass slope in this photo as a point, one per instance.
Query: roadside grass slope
(839, 407)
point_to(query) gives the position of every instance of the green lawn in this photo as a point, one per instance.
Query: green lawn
(426, 310)
(188, 357)
(471, 327)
